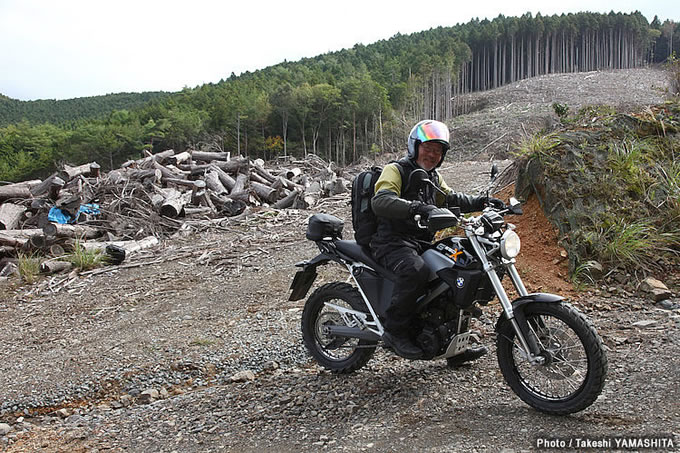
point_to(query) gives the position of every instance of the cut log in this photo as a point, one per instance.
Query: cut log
(229, 206)
(335, 187)
(200, 196)
(148, 161)
(51, 186)
(240, 185)
(70, 231)
(290, 173)
(117, 177)
(91, 170)
(199, 210)
(129, 246)
(12, 241)
(51, 267)
(57, 250)
(282, 182)
(238, 165)
(166, 173)
(212, 180)
(227, 181)
(265, 192)
(39, 242)
(23, 234)
(209, 157)
(10, 214)
(179, 158)
(258, 168)
(181, 182)
(287, 202)
(173, 204)
(11, 191)
(257, 178)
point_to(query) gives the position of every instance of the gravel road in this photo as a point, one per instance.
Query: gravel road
(201, 352)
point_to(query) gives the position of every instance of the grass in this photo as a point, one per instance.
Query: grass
(538, 145)
(29, 267)
(630, 243)
(202, 342)
(84, 259)
(612, 188)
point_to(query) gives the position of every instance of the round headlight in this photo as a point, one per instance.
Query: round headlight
(510, 244)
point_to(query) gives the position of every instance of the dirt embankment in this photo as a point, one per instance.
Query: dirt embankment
(212, 332)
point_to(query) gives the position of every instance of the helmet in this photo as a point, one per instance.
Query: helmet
(428, 131)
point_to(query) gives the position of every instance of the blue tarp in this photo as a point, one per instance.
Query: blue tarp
(58, 216)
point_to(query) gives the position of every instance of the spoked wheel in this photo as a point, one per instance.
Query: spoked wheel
(575, 365)
(338, 354)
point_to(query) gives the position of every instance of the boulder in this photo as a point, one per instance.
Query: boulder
(655, 288)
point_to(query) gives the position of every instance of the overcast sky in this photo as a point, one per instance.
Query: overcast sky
(60, 49)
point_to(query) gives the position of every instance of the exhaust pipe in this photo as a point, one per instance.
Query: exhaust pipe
(352, 332)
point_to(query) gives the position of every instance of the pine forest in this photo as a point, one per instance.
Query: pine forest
(340, 105)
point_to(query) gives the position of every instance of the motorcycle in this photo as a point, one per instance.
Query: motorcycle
(548, 352)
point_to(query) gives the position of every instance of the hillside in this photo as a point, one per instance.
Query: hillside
(68, 110)
(345, 104)
(210, 303)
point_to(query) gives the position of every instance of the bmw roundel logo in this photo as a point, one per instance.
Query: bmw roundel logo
(460, 282)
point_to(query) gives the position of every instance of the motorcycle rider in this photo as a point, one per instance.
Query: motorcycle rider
(399, 242)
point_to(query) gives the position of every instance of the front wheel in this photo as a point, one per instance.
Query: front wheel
(573, 373)
(338, 354)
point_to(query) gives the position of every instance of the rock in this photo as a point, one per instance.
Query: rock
(243, 376)
(148, 396)
(9, 269)
(656, 288)
(595, 270)
(644, 323)
(63, 413)
(270, 366)
(4, 429)
(126, 400)
(75, 419)
(660, 294)
(667, 304)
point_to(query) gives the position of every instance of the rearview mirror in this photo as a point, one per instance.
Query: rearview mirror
(494, 171)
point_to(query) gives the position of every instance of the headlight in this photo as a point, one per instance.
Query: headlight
(510, 244)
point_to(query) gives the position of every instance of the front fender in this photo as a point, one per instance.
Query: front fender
(519, 303)
(535, 297)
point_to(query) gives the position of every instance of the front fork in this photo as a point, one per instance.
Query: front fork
(517, 320)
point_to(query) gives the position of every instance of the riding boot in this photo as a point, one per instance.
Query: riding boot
(402, 345)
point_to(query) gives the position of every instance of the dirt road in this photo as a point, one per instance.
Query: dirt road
(201, 351)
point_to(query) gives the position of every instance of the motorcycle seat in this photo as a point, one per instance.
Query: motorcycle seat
(363, 254)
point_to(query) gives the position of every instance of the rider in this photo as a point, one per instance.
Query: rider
(399, 242)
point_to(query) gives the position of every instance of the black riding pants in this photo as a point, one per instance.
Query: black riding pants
(407, 264)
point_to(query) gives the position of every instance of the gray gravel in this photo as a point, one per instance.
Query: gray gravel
(204, 354)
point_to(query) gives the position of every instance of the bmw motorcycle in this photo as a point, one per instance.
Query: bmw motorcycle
(548, 352)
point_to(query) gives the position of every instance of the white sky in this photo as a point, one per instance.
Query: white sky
(59, 49)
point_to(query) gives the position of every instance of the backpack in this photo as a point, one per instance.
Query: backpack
(364, 221)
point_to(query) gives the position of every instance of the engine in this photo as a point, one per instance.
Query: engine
(439, 323)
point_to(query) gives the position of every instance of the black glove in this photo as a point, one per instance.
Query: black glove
(494, 203)
(422, 209)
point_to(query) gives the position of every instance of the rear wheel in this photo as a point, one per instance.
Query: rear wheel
(573, 374)
(338, 354)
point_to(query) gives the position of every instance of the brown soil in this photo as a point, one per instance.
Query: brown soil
(542, 263)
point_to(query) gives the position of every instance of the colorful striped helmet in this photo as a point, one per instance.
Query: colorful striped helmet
(428, 131)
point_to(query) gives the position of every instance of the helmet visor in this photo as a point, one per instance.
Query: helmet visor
(432, 131)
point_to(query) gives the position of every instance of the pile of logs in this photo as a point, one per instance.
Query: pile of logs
(152, 197)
